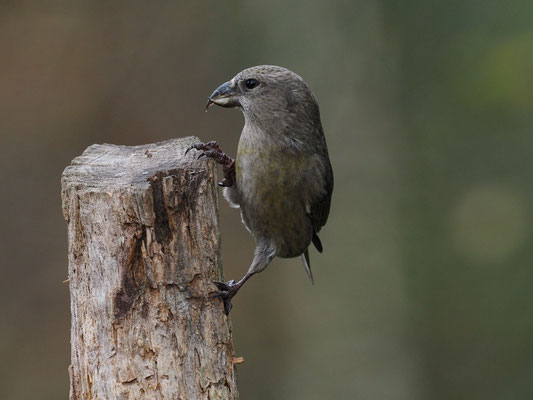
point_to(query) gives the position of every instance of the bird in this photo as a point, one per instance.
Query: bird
(281, 178)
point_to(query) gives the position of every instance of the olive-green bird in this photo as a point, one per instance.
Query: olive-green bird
(281, 178)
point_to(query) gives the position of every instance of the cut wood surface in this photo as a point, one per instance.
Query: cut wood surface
(144, 248)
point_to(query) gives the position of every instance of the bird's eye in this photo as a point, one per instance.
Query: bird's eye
(251, 83)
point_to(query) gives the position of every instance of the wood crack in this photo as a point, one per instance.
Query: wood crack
(129, 290)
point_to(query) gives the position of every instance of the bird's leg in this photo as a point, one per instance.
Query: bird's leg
(229, 289)
(264, 253)
(213, 150)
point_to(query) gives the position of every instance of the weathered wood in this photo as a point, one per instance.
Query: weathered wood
(144, 247)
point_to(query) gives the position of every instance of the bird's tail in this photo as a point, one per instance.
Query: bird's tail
(307, 265)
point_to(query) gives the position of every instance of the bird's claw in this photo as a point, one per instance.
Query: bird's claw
(224, 183)
(226, 292)
(189, 149)
(224, 286)
(213, 150)
(212, 145)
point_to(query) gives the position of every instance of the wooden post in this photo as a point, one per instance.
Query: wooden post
(144, 248)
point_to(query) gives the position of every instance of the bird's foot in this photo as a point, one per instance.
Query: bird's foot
(213, 150)
(226, 292)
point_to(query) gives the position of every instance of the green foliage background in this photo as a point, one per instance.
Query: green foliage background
(424, 288)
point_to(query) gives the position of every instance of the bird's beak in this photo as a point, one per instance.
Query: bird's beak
(225, 96)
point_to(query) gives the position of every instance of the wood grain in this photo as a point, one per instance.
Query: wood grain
(144, 248)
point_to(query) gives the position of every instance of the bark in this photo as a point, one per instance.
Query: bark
(144, 248)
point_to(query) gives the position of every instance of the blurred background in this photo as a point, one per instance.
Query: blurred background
(424, 287)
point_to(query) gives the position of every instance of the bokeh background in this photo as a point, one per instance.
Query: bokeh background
(424, 290)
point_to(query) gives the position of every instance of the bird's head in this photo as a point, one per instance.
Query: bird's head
(266, 92)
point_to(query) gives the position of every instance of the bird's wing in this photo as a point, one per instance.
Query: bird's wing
(319, 207)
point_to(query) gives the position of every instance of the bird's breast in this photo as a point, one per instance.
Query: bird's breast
(263, 173)
(271, 184)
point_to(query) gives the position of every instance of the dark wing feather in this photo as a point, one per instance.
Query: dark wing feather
(320, 207)
(317, 242)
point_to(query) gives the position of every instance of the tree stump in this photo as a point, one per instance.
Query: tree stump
(144, 248)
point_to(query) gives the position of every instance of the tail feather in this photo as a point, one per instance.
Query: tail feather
(317, 243)
(307, 265)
